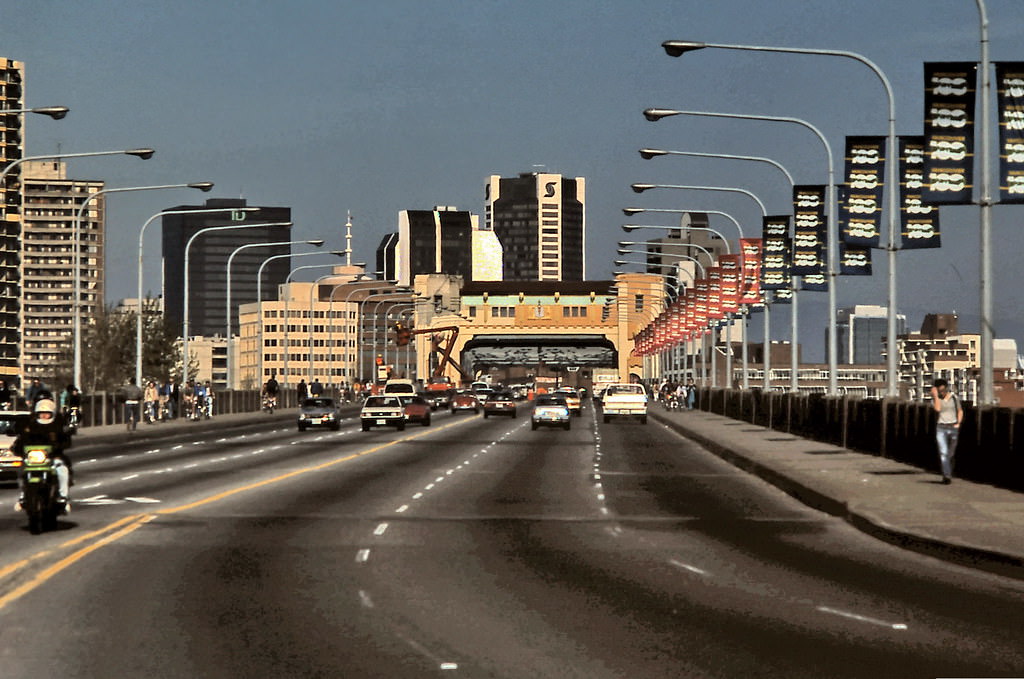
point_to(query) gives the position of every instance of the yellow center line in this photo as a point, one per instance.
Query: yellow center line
(131, 523)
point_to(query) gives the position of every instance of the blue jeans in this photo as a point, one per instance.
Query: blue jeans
(946, 436)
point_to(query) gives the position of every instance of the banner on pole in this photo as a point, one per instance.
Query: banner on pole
(809, 230)
(949, 132)
(1010, 98)
(919, 221)
(860, 209)
(854, 260)
(776, 253)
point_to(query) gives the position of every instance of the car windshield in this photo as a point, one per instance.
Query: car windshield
(499, 397)
(382, 402)
(550, 400)
(318, 403)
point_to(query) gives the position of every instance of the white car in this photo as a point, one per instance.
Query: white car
(382, 411)
(550, 410)
(624, 400)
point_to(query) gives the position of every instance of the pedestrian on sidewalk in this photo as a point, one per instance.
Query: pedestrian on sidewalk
(951, 414)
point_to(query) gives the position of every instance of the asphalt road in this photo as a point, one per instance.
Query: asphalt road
(471, 548)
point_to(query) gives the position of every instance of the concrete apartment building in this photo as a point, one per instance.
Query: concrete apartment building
(540, 220)
(50, 203)
(11, 147)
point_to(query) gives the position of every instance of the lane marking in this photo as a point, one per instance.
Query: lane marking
(688, 567)
(365, 599)
(380, 529)
(862, 618)
(46, 574)
(362, 556)
(128, 524)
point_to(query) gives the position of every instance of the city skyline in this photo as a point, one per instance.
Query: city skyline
(333, 108)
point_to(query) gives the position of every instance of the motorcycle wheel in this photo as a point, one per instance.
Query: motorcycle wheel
(34, 509)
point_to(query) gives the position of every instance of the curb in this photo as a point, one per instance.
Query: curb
(979, 558)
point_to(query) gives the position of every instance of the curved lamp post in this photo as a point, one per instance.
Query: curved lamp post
(259, 302)
(227, 297)
(142, 233)
(185, 302)
(676, 48)
(202, 186)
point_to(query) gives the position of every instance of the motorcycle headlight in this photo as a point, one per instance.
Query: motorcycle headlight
(36, 457)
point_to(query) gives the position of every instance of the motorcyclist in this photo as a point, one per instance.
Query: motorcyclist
(46, 428)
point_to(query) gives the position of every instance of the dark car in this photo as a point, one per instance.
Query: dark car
(319, 412)
(465, 400)
(416, 409)
(550, 410)
(436, 398)
(500, 403)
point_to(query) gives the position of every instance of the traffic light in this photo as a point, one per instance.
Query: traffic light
(402, 335)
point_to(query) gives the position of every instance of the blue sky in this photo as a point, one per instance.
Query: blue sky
(376, 107)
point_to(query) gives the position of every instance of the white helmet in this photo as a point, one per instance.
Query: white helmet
(47, 406)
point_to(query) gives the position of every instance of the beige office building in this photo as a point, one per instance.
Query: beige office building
(50, 204)
(331, 329)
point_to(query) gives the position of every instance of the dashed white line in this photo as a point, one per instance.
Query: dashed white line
(129, 477)
(401, 509)
(362, 556)
(862, 618)
(380, 529)
(688, 567)
(365, 599)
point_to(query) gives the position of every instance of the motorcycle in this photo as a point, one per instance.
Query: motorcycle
(41, 501)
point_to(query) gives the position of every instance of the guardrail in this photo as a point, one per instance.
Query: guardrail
(990, 448)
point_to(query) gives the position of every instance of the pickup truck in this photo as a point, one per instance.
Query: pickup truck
(625, 400)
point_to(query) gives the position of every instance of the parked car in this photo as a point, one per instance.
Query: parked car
(416, 410)
(319, 412)
(550, 410)
(500, 403)
(465, 400)
(11, 422)
(572, 400)
(382, 411)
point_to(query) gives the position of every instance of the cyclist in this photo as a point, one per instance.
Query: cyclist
(132, 395)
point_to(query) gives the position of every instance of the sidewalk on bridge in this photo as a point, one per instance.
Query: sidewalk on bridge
(972, 524)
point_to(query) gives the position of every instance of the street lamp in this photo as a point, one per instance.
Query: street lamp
(677, 48)
(142, 233)
(647, 154)
(728, 329)
(227, 297)
(640, 188)
(287, 313)
(185, 282)
(76, 241)
(656, 114)
(259, 301)
(55, 112)
(356, 286)
(360, 329)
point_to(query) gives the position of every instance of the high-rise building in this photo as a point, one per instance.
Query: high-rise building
(680, 247)
(861, 331)
(443, 240)
(539, 218)
(208, 258)
(50, 205)
(11, 145)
